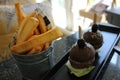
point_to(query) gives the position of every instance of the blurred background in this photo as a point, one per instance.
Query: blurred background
(66, 12)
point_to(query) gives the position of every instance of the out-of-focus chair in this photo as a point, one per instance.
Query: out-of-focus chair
(85, 13)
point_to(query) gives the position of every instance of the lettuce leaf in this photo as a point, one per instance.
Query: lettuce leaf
(79, 72)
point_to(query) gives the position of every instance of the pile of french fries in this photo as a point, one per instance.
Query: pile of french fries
(33, 34)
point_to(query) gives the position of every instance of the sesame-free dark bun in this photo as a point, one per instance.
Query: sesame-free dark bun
(82, 57)
(94, 37)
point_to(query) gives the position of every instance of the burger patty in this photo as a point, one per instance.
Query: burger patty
(80, 65)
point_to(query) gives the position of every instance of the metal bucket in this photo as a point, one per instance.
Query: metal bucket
(34, 66)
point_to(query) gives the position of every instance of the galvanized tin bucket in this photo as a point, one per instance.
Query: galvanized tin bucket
(34, 66)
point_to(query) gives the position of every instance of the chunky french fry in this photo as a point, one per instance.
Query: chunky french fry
(36, 32)
(22, 25)
(43, 46)
(48, 28)
(36, 41)
(31, 51)
(43, 29)
(32, 37)
(35, 50)
(42, 25)
(28, 30)
(46, 45)
(20, 14)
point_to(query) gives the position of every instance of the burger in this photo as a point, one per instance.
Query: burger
(81, 58)
(94, 37)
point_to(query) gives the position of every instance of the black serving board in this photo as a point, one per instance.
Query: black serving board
(111, 36)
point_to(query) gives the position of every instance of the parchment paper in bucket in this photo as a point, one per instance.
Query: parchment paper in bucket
(45, 7)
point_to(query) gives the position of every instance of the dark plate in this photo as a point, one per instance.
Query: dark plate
(111, 36)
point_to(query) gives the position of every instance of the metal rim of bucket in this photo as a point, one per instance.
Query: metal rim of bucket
(36, 57)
